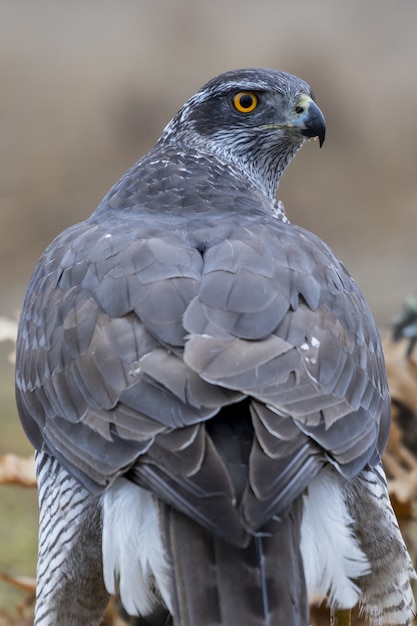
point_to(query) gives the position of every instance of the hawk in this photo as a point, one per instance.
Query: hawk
(205, 388)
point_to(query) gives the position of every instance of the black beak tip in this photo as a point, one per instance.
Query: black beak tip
(315, 124)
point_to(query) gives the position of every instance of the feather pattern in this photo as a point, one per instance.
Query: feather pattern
(134, 560)
(332, 555)
(387, 597)
(69, 544)
(196, 370)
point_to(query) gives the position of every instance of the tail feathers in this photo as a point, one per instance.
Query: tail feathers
(219, 584)
(162, 561)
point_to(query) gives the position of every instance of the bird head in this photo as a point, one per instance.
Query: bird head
(253, 119)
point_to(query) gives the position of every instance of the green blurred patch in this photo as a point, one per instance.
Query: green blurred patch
(18, 539)
(18, 505)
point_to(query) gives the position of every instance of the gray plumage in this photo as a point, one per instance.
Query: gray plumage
(188, 341)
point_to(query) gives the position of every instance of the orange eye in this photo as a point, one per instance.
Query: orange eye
(245, 101)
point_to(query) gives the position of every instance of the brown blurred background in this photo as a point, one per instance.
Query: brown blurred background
(86, 87)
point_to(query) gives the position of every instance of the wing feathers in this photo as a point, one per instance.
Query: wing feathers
(133, 333)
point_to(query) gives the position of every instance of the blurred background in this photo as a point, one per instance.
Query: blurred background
(87, 87)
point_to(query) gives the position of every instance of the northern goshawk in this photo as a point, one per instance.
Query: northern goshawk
(205, 388)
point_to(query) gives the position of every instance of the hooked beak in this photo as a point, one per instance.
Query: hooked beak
(308, 120)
